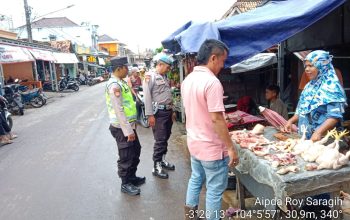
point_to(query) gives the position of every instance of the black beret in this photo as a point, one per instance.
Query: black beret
(119, 61)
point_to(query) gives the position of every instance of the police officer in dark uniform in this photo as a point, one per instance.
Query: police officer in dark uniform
(159, 109)
(122, 114)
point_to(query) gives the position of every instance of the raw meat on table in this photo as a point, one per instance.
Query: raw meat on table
(281, 159)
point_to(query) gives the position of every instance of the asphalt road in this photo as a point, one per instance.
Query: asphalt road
(63, 166)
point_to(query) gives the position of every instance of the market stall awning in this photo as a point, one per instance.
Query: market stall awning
(42, 54)
(170, 42)
(12, 54)
(256, 62)
(255, 31)
(252, 32)
(65, 58)
(190, 43)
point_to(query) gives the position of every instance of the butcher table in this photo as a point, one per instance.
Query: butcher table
(256, 176)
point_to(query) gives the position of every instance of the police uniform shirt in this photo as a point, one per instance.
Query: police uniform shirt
(156, 89)
(117, 100)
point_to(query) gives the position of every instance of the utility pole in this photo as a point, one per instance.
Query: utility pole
(28, 24)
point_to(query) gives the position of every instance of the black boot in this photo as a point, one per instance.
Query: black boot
(137, 181)
(158, 171)
(130, 189)
(167, 165)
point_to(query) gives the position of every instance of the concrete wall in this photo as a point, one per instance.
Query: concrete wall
(18, 70)
(111, 47)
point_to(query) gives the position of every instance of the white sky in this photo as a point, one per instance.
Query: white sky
(136, 22)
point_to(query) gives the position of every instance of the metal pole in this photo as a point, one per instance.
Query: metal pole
(2, 79)
(28, 24)
(56, 78)
(280, 71)
(181, 67)
(53, 81)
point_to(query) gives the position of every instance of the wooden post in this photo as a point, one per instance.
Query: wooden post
(241, 194)
(36, 77)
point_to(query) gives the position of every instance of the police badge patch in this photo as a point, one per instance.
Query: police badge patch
(116, 92)
(147, 78)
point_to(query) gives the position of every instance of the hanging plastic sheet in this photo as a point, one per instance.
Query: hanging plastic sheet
(258, 61)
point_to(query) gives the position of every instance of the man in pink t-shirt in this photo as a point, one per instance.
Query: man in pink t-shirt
(208, 140)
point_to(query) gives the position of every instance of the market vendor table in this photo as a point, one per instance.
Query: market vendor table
(256, 175)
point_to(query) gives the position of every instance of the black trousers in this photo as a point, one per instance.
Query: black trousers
(161, 133)
(4, 127)
(129, 154)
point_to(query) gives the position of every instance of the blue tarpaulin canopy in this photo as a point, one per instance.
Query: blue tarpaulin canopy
(170, 42)
(252, 32)
(207, 30)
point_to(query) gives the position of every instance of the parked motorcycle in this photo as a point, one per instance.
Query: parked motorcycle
(82, 79)
(67, 84)
(33, 97)
(140, 105)
(24, 90)
(14, 99)
(5, 112)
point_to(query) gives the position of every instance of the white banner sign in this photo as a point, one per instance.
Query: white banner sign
(11, 54)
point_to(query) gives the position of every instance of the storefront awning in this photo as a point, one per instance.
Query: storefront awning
(42, 55)
(256, 62)
(95, 65)
(12, 54)
(65, 58)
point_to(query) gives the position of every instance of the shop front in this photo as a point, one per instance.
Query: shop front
(44, 64)
(16, 63)
(82, 53)
(68, 64)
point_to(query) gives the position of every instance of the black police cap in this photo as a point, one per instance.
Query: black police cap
(119, 61)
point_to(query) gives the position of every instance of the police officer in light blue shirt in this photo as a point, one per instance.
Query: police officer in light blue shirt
(159, 109)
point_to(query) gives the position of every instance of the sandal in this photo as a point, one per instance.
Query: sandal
(5, 142)
(13, 136)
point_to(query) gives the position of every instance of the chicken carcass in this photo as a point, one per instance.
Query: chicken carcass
(331, 158)
(316, 149)
(346, 200)
(281, 159)
(258, 129)
(310, 166)
(260, 151)
(288, 169)
(302, 144)
(246, 139)
(286, 146)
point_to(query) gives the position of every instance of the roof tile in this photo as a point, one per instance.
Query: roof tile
(53, 22)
